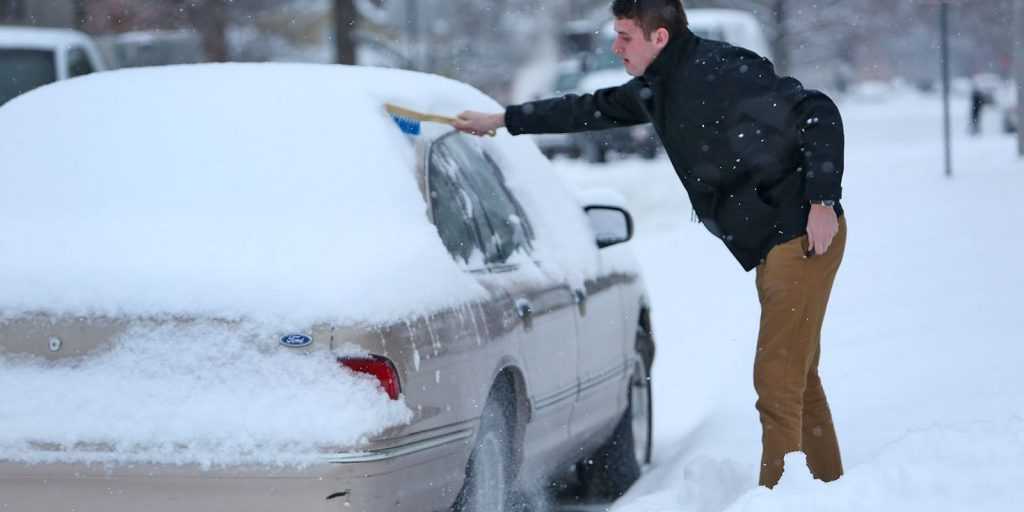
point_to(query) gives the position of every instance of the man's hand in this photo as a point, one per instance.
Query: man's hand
(478, 123)
(822, 226)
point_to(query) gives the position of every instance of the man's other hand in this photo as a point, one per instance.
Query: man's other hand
(478, 123)
(822, 226)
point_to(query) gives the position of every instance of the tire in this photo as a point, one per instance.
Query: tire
(645, 344)
(490, 473)
(610, 472)
(595, 152)
(649, 150)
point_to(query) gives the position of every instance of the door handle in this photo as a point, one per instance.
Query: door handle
(524, 309)
(580, 298)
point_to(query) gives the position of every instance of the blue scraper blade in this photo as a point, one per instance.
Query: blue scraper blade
(408, 126)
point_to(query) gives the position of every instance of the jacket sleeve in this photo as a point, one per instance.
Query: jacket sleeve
(606, 108)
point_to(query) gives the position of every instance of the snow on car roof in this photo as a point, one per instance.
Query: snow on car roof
(280, 192)
(40, 38)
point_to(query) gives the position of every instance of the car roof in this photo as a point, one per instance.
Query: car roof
(41, 38)
(286, 178)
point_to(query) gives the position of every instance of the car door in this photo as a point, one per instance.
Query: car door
(601, 359)
(544, 309)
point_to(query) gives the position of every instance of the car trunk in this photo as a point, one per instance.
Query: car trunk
(57, 338)
(61, 337)
(181, 391)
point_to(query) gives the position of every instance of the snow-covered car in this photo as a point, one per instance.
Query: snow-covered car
(31, 57)
(246, 287)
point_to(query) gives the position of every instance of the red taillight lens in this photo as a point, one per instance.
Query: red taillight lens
(380, 367)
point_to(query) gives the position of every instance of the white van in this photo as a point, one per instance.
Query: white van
(31, 57)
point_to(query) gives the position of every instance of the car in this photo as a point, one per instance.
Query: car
(31, 57)
(246, 286)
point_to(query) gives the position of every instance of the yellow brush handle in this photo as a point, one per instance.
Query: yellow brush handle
(427, 118)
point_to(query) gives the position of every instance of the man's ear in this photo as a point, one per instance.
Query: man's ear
(661, 37)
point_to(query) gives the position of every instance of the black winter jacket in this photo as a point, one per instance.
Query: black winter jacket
(751, 148)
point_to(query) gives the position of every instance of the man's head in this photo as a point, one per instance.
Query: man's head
(643, 28)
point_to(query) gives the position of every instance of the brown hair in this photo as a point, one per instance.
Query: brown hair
(651, 15)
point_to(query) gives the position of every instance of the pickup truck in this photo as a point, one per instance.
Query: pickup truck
(31, 57)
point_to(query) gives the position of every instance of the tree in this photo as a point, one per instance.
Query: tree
(209, 17)
(345, 23)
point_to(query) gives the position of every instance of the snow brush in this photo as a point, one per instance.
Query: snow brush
(409, 120)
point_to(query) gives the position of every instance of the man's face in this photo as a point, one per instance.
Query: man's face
(636, 51)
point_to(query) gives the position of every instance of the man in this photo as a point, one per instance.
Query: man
(761, 159)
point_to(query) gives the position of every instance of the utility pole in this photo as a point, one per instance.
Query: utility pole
(944, 29)
(345, 16)
(415, 34)
(780, 47)
(1018, 40)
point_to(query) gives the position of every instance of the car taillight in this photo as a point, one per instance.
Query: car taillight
(380, 367)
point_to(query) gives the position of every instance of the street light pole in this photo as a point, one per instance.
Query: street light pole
(1018, 40)
(944, 29)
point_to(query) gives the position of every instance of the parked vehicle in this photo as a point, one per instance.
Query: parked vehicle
(455, 273)
(31, 57)
(153, 48)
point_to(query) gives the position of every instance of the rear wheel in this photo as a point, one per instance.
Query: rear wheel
(491, 470)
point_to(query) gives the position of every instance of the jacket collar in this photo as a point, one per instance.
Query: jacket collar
(672, 56)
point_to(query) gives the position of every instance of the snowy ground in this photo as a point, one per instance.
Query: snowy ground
(922, 346)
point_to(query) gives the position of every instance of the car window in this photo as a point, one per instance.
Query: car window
(507, 229)
(24, 70)
(453, 209)
(78, 63)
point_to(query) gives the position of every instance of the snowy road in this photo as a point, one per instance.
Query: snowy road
(921, 348)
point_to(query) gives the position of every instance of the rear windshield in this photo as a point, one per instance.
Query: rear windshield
(24, 70)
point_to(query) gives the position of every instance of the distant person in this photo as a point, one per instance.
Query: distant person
(979, 99)
(762, 161)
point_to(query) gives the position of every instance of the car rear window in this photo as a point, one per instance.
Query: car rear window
(24, 70)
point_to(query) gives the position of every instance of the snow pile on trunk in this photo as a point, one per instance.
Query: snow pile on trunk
(202, 394)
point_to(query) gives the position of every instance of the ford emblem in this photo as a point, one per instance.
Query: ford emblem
(296, 340)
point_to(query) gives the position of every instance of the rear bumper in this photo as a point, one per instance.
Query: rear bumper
(425, 475)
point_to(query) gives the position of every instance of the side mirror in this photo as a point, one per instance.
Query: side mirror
(612, 225)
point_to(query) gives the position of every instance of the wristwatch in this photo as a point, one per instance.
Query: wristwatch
(829, 203)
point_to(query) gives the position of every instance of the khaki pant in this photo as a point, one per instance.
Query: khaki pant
(794, 292)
